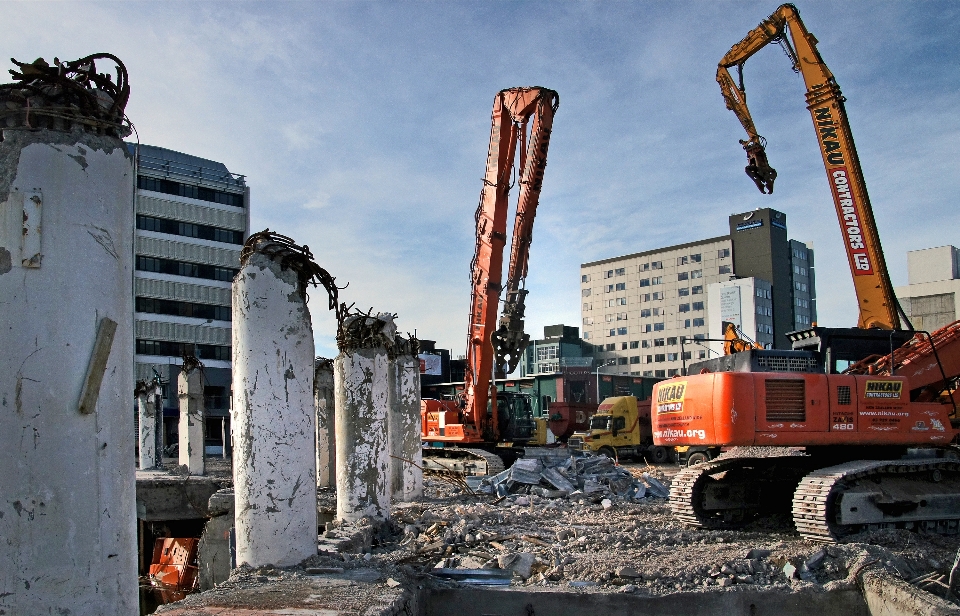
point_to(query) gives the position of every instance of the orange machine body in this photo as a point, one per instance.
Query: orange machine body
(442, 421)
(794, 410)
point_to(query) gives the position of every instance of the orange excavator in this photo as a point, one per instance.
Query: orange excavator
(483, 419)
(864, 418)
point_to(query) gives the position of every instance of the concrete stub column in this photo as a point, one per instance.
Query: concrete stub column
(326, 431)
(274, 420)
(192, 415)
(406, 454)
(68, 539)
(362, 384)
(151, 422)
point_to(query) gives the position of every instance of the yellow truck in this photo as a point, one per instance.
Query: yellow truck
(621, 428)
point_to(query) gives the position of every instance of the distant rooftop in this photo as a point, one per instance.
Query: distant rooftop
(169, 164)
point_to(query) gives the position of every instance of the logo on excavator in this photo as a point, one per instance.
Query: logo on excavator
(851, 221)
(883, 389)
(670, 397)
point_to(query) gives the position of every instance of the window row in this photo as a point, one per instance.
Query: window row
(183, 309)
(799, 270)
(180, 349)
(800, 286)
(802, 319)
(182, 268)
(763, 293)
(800, 254)
(803, 303)
(764, 311)
(200, 193)
(187, 229)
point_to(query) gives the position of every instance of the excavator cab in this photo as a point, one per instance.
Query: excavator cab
(515, 421)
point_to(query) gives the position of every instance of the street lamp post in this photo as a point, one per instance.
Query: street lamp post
(607, 363)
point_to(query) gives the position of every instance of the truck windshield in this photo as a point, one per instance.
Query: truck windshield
(600, 422)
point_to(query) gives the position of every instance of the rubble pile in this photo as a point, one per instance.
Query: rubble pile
(557, 473)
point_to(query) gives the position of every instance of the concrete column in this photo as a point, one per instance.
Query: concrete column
(192, 416)
(274, 421)
(68, 505)
(404, 428)
(326, 431)
(363, 453)
(151, 424)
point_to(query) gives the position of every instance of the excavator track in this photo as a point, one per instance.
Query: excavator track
(730, 493)
(461, 460)
(828, 495)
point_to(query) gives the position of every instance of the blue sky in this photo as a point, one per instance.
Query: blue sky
(362, 128)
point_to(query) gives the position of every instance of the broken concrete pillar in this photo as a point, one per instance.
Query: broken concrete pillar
(362, 384)
(68, 505)
(406, 457)
(151, 422)
(192, 415)
(273, 416)
(326, 430)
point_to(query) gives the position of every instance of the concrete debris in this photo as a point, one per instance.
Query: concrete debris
(574, 475)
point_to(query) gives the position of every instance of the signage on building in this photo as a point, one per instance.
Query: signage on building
(730, 306)
(430, 364)
(743, 226)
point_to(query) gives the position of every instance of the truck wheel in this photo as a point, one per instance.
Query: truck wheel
(659, 455)
(697, 458)
(607, 451)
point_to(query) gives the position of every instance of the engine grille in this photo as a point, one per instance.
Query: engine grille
(787, 363)
(786, 400)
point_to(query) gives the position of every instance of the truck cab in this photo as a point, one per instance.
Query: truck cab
(620, 429)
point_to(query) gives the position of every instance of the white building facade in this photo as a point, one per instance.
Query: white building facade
(930, 298)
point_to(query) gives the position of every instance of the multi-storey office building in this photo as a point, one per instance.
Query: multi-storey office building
(932, 294)
(192, 217)
(636, 308)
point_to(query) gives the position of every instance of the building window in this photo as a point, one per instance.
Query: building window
(634, 344)
(183, 309)
(620, 271)
(645, 297)
(659, 342)
(621, 316)
(658, 295)
(672, 357)
(546, 352)
(673, 372)
(681, 260)
(723, 253)
(656, 280)
(621, 361)
(682, 276)
(672, 341)
(586, 335)
(645, 344)
(200, 193)
(621, 286)
(660, 374)
(644, 312)
(587, 306)
(621, 301)
(701, 354)
(697, 290)
(635, 359)
(657, 312)
(699, 336)
(649, 359)
(588, 320)
(658, 327)
(585, 293)
(623, 346)
(696, 273)
(608, 288)
(585, 278)
(724, 269)
(182, 268)
(686, 324)
(660, 358)
(608, 274)
(695, 258)
(645, 267)
(609, 303)
(621, 331)
(611, 346)
(684, 308)
(647, 328)
(683, 292)
(687, 355)
(179, 349)
(698, 322)
(611, 332)
(656, 265)
(698, 305)
(644, 282)
(186, 229)
(648, 373)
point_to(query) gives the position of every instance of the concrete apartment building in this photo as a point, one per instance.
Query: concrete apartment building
(930, 298)
(637, 308)
(192, 217)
